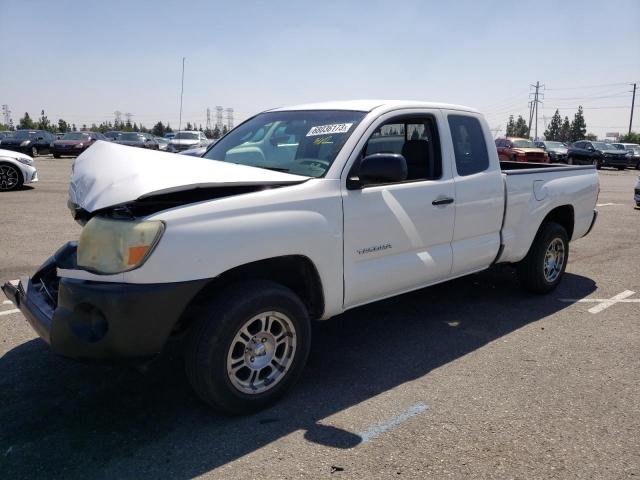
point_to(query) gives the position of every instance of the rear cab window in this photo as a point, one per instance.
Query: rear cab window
(469, 146)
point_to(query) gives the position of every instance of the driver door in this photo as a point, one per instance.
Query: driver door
(397, 236)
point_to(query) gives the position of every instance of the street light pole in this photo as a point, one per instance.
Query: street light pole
(181, 93)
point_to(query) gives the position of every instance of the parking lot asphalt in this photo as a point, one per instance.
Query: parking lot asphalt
(470, 379)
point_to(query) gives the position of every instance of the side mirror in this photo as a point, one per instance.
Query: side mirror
(378, 168)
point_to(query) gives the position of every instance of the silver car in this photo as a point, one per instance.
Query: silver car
(186, 140)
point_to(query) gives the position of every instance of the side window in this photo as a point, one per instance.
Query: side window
(469, 146)
(416, 139)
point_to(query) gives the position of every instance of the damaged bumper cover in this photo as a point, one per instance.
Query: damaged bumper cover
(99, 320)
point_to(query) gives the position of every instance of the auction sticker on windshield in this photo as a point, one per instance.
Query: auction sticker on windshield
(324, 129)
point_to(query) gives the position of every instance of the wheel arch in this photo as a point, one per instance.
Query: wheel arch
(296, 272)
(563, 215)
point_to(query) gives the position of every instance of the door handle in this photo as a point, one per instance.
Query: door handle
(442, 201)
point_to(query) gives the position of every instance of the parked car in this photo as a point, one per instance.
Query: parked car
(520, 150)
(185, 140)
(163, 143)
(557, 151)
(636, 195)
(138, 139)
(16, 169)
(30, 142)
(169, 135)
(113, 135)
(5, 134)
(297, 214)
(74, 143)
(633, 149)
(600, 154)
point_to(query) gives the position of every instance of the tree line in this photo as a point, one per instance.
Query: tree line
(62, 126)
(558, 130)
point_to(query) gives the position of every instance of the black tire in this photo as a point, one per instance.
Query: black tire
(638, 166)
(34, 152)
(15, 172)
(621, 168)
(597, 163)
(56, 155)
(570, 161)
(211, 337)
(531, 269)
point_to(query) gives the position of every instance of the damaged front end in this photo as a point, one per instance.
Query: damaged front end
(98, 320)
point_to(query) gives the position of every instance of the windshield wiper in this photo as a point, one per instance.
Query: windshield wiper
(275, 169)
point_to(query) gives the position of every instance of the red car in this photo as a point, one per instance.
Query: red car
(520, 150)
(74, 143)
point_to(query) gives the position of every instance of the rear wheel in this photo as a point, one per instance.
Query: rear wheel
(56, 155)
(542, 269)
(10, 177)
(34, 151)
(249, 347)
(570, 160)
(622, 168)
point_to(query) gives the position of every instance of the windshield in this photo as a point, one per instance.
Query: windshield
(554, 145)
(130, 137)
(75, 136)
(24, 134)
(523, 144)
(303, 143)
(186, 136)
(603, 146)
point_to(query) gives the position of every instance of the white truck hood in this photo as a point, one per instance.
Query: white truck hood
(108, 174)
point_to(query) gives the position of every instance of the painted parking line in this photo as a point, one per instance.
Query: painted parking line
(604, 303)
(608, 204)
(9, 312)
(7, 302)
(393, 422)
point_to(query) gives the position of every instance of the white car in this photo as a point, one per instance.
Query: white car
(16, 169)
(297, 214)
(186, 140)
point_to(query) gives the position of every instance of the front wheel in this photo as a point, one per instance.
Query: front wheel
(596, 163)
(34, 151)
(10, 177)
(542, 269)
(56, 155)
(570, 161)
(249, 347)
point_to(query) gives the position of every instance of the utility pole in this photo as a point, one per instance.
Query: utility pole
(534, 106)
(229, 118)
(181, 93)
(633, 101)
(6, 113)
(219, 110)
(208, 119)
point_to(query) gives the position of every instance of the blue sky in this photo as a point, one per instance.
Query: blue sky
(82, 60)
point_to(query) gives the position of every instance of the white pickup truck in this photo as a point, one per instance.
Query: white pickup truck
(298, 214)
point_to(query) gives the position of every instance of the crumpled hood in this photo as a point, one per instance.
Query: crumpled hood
(109, 174)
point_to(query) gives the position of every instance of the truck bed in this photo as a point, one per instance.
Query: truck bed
(519, 168)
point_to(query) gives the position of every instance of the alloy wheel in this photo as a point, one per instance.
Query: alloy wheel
(8, 177)
(261, 353)
(554, 260)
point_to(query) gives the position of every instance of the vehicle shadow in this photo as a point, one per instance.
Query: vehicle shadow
(61, 419)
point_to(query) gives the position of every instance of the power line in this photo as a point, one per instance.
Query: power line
(590, 86)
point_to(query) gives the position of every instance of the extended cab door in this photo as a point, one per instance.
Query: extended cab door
(479, 190)
(395, 237)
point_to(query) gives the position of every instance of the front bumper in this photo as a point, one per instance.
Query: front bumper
(99, 320)
(70, 151)
(29, 173)
(616, 161)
